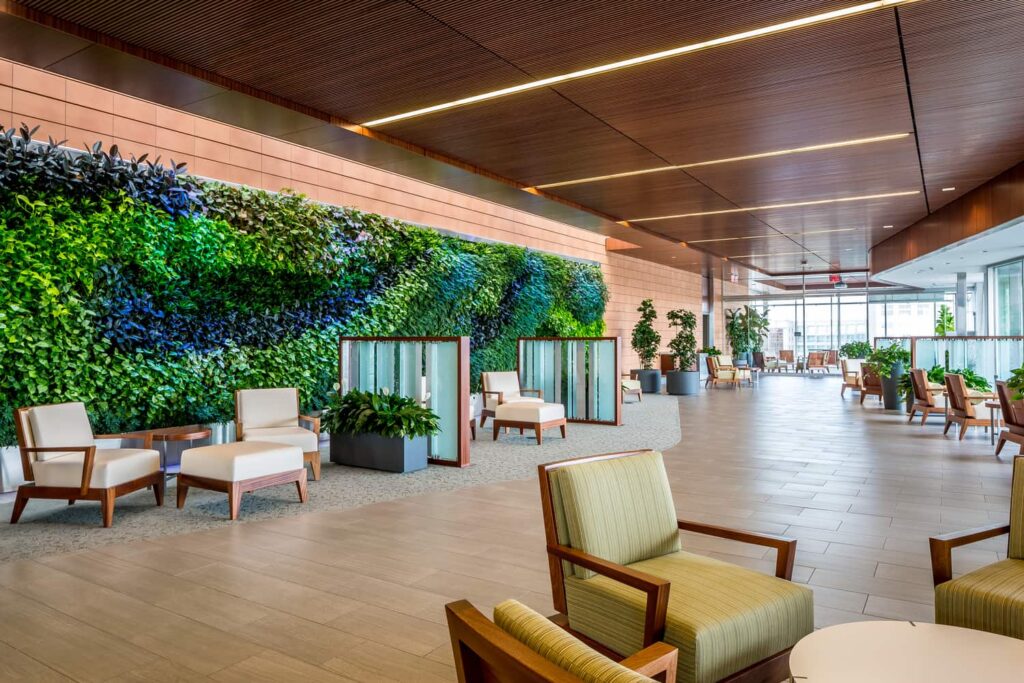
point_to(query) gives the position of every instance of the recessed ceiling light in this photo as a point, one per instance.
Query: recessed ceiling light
(948, 189)
(644, 59)
(786, 205)
(887, 227)
(748, 157)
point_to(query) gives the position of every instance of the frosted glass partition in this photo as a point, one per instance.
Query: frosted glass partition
(581, 373)
(990, 357)
(432, 370)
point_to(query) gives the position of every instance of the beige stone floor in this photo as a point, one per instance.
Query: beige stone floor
(358, 594)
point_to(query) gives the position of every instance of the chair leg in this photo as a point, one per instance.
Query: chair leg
(1002, 442)
(71, 501)
(963, 431)
(497, 430)
(842, 392)
(19, 506)
(303, 489)
(313, 458)
(538, 432)
(158, 492)
(640, 396)
(862, 395)
(182, 494)
(108, 508)
(483, 421)
(234, 500)
(563, 430)
(913, 412)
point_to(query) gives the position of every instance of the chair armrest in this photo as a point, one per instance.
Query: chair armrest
(539, 392)
(147, 437)
(785, 547)
(656, 588)
(942, 547)
(313, 421)
(657, 661)
(87, 463)
(499, 394)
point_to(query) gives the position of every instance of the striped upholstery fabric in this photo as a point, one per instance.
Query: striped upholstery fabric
(620, 510)
(558, 647)
(987, 599)
(1016, 547)
(722, 617)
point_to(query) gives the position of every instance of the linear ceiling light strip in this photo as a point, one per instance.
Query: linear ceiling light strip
(786, 205)
(769, 236)
(644, 59)
(747, 157)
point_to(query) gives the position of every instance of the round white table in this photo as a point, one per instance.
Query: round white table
(906, 652)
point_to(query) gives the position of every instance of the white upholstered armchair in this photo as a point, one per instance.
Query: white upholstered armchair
(61, 460)
(503, 387)
(272, 415)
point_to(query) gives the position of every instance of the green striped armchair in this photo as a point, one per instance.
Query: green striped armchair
(991, 598)
(621, 580)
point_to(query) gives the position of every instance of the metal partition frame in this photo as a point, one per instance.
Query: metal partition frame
(989, 356)
(584, 374)
(433, 370)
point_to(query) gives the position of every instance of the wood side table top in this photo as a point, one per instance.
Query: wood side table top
(906, 652)
(182, 433)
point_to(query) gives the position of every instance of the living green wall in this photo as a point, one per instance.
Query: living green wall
(152, 296)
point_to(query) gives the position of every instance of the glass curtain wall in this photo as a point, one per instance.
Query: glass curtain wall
(1006, 294)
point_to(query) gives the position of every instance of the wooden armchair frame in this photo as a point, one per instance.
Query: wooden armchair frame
(942, 547)
(484, 393)
(312, 458)
(484, 653)
(105, 496)
(816, 361)
(714, 368)
(1013, 418)
(961, 410)
(831, 360)
(870, 384)
(851, 379)
(787, 359)
(657, 589)
(924, 398)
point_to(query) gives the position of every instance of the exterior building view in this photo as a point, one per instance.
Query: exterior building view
(436, 340)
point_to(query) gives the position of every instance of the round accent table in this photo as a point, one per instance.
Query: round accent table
(906, 652)
(188, 433)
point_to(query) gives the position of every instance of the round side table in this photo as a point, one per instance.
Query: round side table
(165, 435)
(905, 652)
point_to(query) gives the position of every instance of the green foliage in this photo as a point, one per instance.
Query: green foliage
(747, 328)
(383, 413)
(883, 361)
(711, 351)
(944, 322)
(645, 340)
(855, 349)
(973, 380)
(1016, 382)
(684, 344)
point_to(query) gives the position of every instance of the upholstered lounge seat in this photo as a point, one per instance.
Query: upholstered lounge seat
(990, 598)
(272, 416)
(722, 617)
(503, 387)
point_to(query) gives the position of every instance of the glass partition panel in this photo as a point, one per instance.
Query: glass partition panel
(990, 357)
(580, 373)
(434, 371)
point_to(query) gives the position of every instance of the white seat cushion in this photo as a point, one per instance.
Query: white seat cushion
(112, 466)
(260, 408)
(61, 424)
(241, 460)
(291, 436)
(523, 411)
(631, 384)
(492, 401)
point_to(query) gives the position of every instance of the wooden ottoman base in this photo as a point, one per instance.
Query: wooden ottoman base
(235, 489)
(537, 427)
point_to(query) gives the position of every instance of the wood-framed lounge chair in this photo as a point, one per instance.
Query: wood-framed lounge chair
(521, 646)
(851, 376)
(1013, 417)
(273, 415)
(719, 373)
(816, 362)
(924, 396)
(787, 360)
(503, 387)
(621, 581)
(831, 360)
(59, 456)
(871, 384)
(633, 387)
(961, 407)
(990, 598)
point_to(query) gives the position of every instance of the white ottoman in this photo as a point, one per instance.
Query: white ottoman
(528, 415)
(241, 467)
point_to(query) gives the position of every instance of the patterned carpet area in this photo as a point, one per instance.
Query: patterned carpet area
(49, 527)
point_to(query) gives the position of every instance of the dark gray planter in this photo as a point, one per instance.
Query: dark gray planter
(650, 381)
(390, 454)
(682, 383)
(891, 396)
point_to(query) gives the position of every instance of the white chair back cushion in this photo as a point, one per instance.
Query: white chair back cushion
(725, 360)
(259, 408)
(62, 424)
(853, 364)
(505, 382)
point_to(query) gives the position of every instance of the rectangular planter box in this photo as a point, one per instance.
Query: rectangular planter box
(378, 452)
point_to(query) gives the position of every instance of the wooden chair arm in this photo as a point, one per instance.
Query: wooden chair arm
(657, 661)
(313, 421)
(499, 394)
(785, 547)
(656, 588)
(942, 547)
(89, 459)
(147, 437)
(539, 392)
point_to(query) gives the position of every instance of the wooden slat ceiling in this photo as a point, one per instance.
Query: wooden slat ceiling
(947, 72)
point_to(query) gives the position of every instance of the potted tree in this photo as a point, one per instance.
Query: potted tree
(382, 431)
(736, 330)
(855, 349)
(888, 363)
(645, 342)
(702, 355)
(686, 379)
